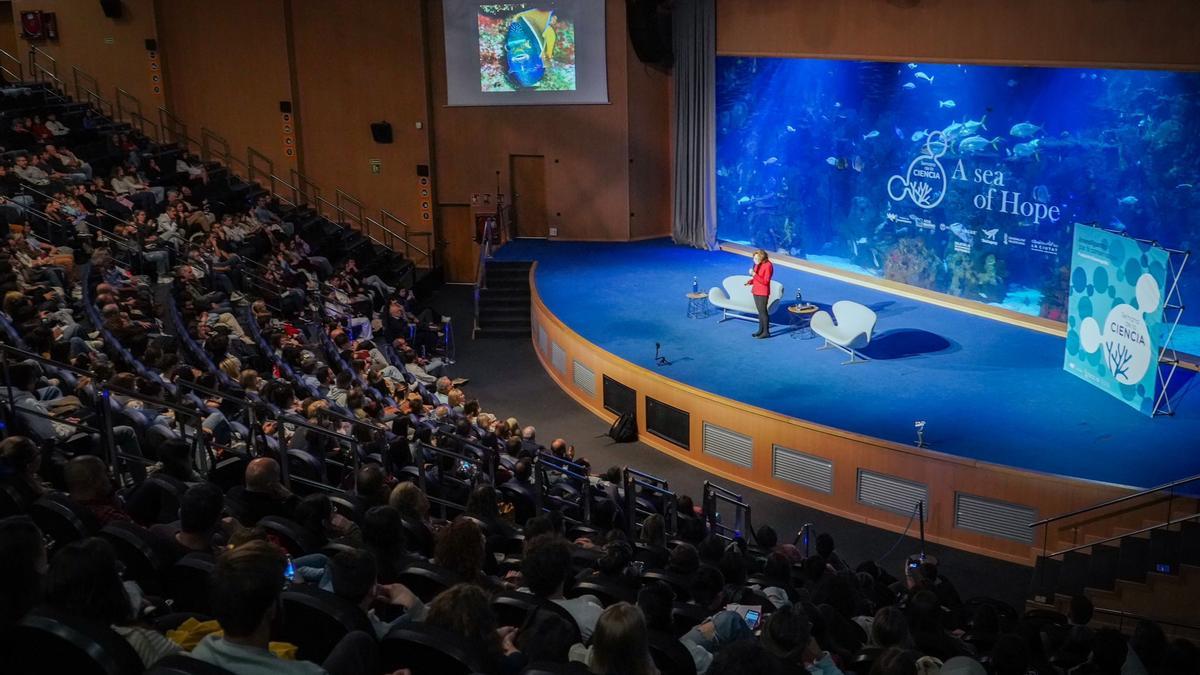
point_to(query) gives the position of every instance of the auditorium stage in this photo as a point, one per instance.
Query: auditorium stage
(991, 393)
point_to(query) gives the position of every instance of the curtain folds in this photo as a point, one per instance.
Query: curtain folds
(695, 45)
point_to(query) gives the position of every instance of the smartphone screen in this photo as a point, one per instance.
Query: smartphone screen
(752, 618)
(289, 572)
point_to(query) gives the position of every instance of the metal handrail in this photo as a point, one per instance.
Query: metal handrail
(302, 181)
(294, 201)
(485, 252)
(208, 136)
(1144, 530)
(340, 196)
(78, 73)
(1165, 486)
(19, 74)
(34, 52)
(252, 168)
(124, 97)
(100, 102)
(427, 252)
(175, 129)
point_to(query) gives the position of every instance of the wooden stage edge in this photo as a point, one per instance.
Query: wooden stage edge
(970, 505)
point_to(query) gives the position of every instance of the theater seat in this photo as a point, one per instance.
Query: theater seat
(315, 620)
(62, 520)
(429, 650)
(142, 555)
(426, 580)
(513, 608)
(290, 535)
(187, 583)
(46, 641)
(543, 668)
(607, 592)
(669, 654)
(182, 664)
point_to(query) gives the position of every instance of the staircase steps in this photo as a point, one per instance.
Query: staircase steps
(504, 305)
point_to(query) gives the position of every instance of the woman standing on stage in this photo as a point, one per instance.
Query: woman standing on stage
(760, 288)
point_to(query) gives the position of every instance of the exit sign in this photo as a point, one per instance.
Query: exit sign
(376, 165)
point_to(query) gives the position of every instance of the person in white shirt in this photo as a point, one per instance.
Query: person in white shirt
(55, 127)
(545, 567)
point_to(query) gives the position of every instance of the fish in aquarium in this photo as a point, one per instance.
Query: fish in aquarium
(948, 103)
(973, 145)
(922, 76)
(1024, 130)
(870, 134)
(908, 85)
(529, 46)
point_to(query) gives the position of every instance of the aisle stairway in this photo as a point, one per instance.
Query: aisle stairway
(1127, 563)
(504, 303)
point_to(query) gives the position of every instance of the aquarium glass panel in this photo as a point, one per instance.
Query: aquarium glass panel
(963, 179)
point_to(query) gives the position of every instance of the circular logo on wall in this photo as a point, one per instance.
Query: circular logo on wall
(1125, 336)
(925, 182)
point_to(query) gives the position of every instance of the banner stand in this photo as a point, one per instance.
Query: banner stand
(1168, 358)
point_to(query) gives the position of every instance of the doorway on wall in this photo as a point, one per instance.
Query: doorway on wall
(460, 254)
(528, 190)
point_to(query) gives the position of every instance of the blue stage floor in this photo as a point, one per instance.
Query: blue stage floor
(988, 390)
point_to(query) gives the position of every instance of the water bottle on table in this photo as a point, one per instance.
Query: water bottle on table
(695, 285)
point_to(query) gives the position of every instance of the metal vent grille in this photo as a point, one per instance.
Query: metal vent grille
(558, 357)
(814, 473)
(544, 337)
(585, 379)
(998, 519)
(891, 493)
(728, 445)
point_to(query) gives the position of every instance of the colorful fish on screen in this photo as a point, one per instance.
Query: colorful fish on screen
(529, 46)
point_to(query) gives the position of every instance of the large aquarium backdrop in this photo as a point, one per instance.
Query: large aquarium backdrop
(963, 179)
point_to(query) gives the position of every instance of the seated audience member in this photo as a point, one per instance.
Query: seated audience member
(545, 567)
(355, 578)
(788, 635)
(465, 610)
(825, 549)
(20, 461)
(619, 645)
(654, 539)
(656, 601)
(890, 629)
(22, 566)
(89, 485)
(84, 581)
(383, 535)
(372, 488)
(199, 524)
(460, 549)
(245, 589)
(262, 495)
(747, 657)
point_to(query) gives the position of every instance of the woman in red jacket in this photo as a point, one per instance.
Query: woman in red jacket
(760, 288)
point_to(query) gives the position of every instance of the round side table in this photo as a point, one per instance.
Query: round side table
(697, 305)
(801, 318)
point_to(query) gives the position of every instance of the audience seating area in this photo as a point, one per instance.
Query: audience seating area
(233, 442)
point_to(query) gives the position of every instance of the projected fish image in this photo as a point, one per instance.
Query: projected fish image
(959, 178)
(525, 46)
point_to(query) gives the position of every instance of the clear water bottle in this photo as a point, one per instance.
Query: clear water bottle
(695, 285)
(798, 298)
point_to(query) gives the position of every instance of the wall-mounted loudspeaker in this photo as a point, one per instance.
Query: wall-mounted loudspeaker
(381, 132)
(112, 8)
(650, 31)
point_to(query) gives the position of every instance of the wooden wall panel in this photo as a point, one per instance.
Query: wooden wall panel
(9, 41)
(650, 108)
(357, 62)
(1157, 33)
(111, 50)
(227, 70)
(943, 474)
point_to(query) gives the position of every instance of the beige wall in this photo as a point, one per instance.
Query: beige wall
(355, 64)
(651, 106)
(1161, 32)
(8, 32)
(227, 70)
(111, 50)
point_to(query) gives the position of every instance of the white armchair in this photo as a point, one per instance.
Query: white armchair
(852, 331)
(736, 302)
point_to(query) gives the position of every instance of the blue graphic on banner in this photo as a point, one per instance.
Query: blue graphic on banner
(962, 179)
(1114, 317)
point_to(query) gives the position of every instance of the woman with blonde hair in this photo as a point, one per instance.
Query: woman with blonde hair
(619, 644)
(760, 287)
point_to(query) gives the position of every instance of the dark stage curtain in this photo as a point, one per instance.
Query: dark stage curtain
(695, 45)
